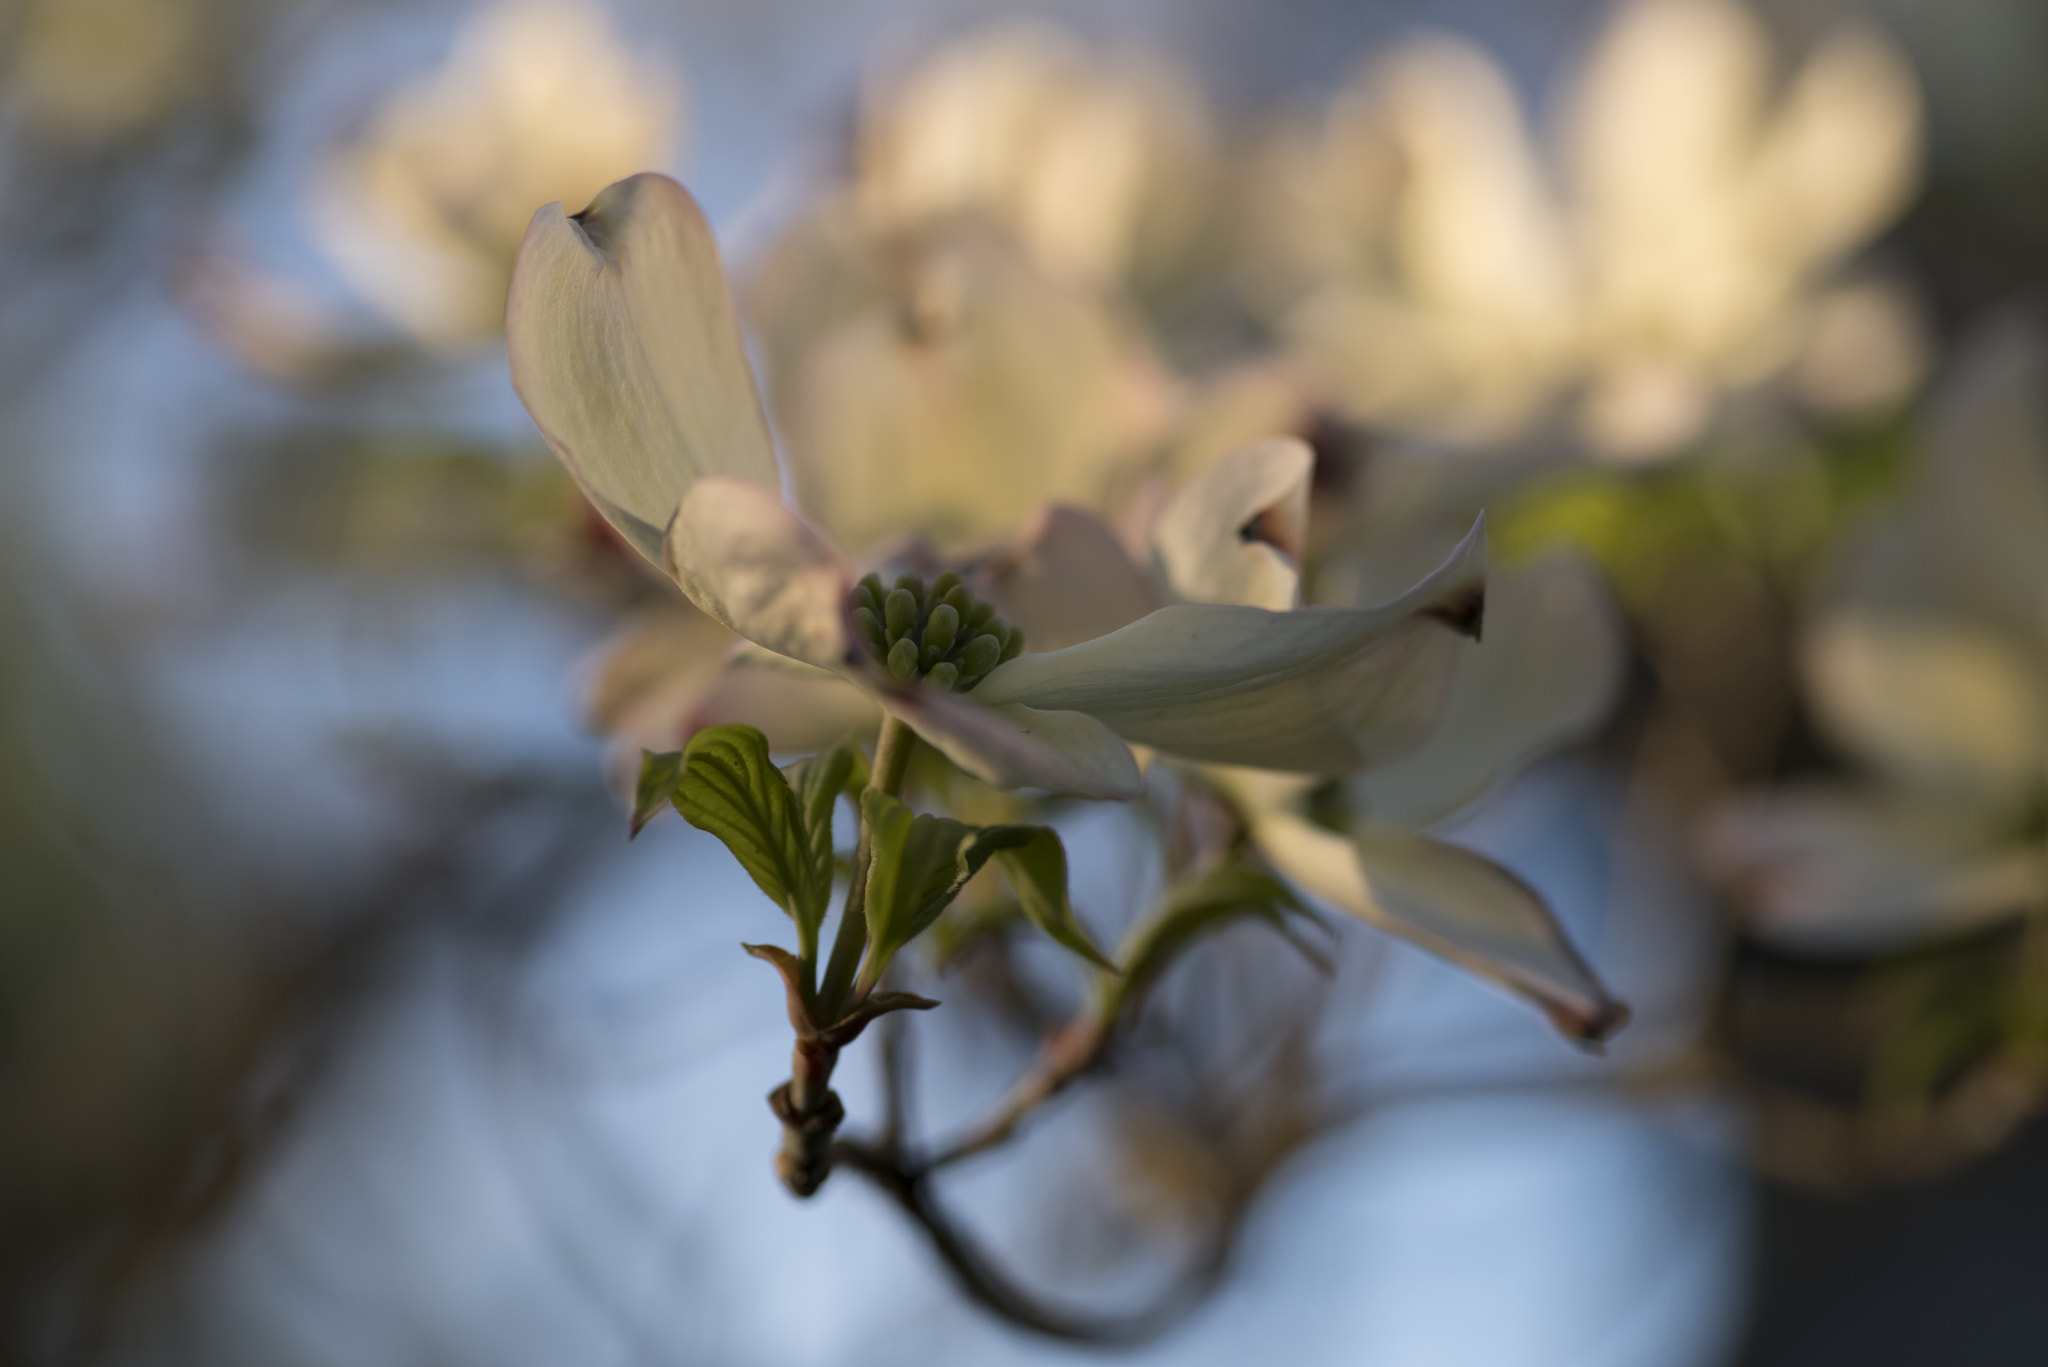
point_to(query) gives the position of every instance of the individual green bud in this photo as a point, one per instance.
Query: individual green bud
(979, 656)
(981, 616)
(903, 658)
(944, 584)
(939, 630)
(869, 593)
(913, 586)
(961, 600)
(1013, 642)
(944, 675)
(871, 628)
(900, 609)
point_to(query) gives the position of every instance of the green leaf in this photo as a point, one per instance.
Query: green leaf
(658, 775)
(877, 1004)
(1037, 869)
(731, 788)
(791, 969)
(818, 783)
(1193, 908)
(914, 872)
(920, 863)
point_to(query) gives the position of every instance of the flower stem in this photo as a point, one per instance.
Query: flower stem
(892, 760)
(806, 1105)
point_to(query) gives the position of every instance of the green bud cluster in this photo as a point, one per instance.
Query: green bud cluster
(939, 631)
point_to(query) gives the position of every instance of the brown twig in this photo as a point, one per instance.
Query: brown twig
(908, 1181)
(1067, 1056)
(993, 1289)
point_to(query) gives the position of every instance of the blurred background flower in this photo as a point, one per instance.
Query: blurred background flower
(1681, 243)
(540, 101)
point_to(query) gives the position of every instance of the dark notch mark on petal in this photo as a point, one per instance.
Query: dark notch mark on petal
(1273, 527)
(1465, 613)
(594, 231)
(1591, 1030)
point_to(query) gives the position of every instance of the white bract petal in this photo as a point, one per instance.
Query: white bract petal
(625, 351)
(1067, 579)
(1453, 903)
(1843, 154)
(752, 564)
(1473, 232)
(1664, 116)
(1235, 533)
(1317, 690)
(1941, 704)
(1094, 162)
(1548, 671)
(959, 389)
(1012, 746)
(1833, 872)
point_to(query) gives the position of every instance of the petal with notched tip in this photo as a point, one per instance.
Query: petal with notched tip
(625, 351)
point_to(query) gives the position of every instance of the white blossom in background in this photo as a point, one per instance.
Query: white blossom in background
(1927, 662)
(1681, 240)
(955, 307)
(423, 209)
(945, 383)
(1098, 164)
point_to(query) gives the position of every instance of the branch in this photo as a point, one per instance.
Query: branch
(993, 1289)
(1068, 1055)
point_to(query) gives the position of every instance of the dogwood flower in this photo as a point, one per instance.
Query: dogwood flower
(1927, 662)
(1441, 273)
(626, 352)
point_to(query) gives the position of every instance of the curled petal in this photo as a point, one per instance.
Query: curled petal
(1455, 904)
(625, 351)
(1548, 672)
(1021, 747)
(1235, 533)
(1317, 690)
(752, 564)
